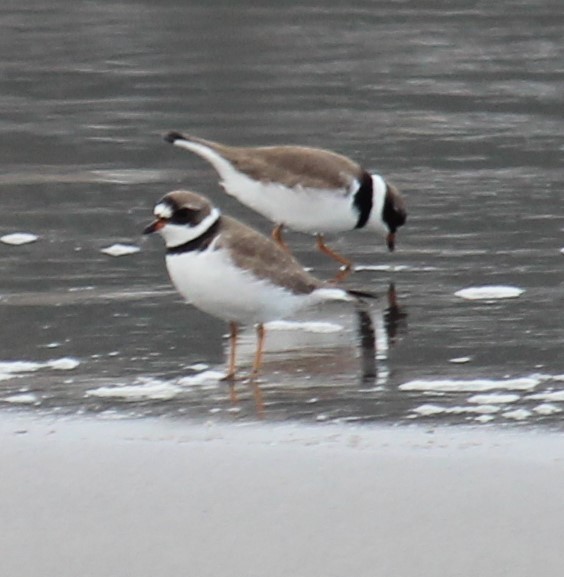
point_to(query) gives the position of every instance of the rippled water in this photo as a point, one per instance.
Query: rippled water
(461, 108)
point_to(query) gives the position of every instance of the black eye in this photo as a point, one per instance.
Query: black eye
(183, 216)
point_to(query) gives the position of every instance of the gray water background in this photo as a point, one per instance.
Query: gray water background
(459, 104)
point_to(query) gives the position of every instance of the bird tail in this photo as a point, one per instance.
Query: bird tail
(362, 295)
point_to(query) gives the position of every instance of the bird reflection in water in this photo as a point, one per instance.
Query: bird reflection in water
(377, 331)
(323, 353)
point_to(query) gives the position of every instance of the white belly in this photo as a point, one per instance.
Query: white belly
(211, 282)
(306, 210)
(303, 209)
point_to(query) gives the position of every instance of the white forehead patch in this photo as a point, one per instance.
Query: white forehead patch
(163, 210)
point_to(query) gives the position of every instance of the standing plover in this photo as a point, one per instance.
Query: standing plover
(231, 271)
(309, 190)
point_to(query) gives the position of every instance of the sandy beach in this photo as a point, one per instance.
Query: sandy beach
(145, 498)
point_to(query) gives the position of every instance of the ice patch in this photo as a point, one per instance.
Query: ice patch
(517, 414)
(460, 360)
(381, 267)
(63, 364)
(470, 385)
(554, 396)
(480, 409)
(10, 368)
(198, 367)
(547, 409)
(429, 410)
(494, 398)
(492, 292)
(120, 249)
(145, 389)
(484, 418)
(17, 238)
(309, 327)
(201, 378)
(22, 399)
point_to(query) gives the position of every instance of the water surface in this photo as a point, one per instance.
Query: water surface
(461, 108)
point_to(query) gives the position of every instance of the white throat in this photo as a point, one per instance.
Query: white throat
(379, 188)
(178, 234)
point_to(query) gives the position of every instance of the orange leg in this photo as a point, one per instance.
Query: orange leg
(347, 264)
(256, 369)
(277, 237)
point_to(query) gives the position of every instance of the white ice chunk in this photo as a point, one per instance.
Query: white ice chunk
(22, 399)
(547, 409)
(460, 360)
(494, 398)
(201, 378)
(120, 249)
(492, 292)
(17, 238)
(199, 367)
(429, 410)
(9, 367)
(151, 389)
(309, 327)
(554, 396)
(517, 414)
(470, 385)
(64, 364)
(484, 418)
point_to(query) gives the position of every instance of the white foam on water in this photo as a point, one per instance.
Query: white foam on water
(18, 238)
(491, 292)
(119, 249)
(145, 389)
(309, 327)
(470, 385)
(494, 398)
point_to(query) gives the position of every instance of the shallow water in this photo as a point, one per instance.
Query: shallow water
(460, 108)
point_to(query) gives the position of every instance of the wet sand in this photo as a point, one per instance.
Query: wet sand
(148, 497)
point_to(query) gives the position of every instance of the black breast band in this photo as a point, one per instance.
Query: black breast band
(197, 244)
(363, 200)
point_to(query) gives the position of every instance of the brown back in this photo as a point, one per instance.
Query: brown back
(264, 258)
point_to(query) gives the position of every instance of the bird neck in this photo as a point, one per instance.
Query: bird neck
(200, 242)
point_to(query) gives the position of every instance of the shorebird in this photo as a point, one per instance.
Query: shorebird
(232, 271)
(309, 190)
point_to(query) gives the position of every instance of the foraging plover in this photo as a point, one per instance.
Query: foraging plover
(309, 190)
(232, 271)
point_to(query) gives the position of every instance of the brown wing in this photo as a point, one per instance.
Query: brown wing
(290, 165)
(264, 258)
